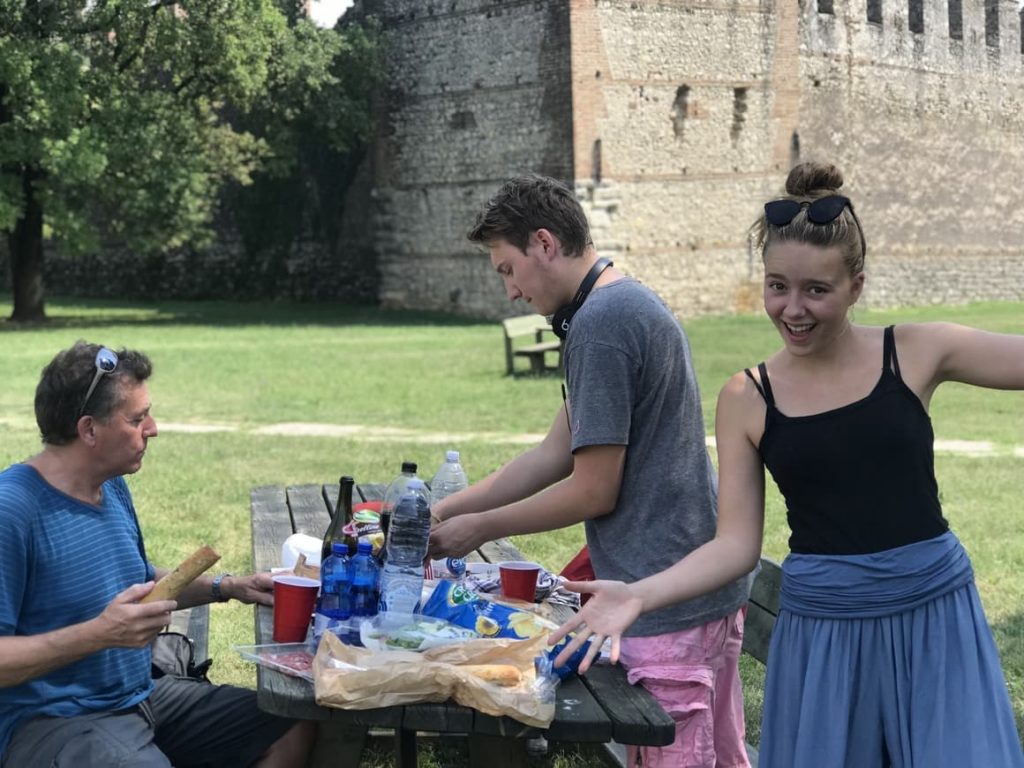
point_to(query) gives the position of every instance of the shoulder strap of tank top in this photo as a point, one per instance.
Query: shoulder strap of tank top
(754, 382)
(769, 396)
(890, 362)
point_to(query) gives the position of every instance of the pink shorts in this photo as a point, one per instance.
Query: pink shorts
(694, 675)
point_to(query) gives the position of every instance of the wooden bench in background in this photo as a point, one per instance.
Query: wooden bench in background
(533, 328)
(762, 609)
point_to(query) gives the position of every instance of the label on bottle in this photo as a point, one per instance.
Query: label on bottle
(400, 593)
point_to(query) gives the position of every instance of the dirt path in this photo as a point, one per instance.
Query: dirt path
(978, 448)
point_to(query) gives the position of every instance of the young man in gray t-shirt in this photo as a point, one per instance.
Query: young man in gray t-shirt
(632, 467)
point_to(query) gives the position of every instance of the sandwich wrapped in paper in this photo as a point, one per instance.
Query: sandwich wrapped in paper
(496, 677)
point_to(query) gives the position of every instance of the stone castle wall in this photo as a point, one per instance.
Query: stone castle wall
(675, 119)
(477, 91)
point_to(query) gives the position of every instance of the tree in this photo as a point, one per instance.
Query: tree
(316, 121)
(114, 119)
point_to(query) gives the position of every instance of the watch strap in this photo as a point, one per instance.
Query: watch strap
(218, 596)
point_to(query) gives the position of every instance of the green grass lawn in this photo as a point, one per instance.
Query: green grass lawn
(247, 366)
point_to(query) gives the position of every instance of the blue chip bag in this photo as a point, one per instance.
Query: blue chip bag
(573, 664)
(461, 606)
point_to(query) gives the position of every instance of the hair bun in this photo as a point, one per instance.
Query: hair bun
(810, 177)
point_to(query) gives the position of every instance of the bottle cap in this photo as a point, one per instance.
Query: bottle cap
(452, 456)
(409, 467)
(364, 545)
(339, 548)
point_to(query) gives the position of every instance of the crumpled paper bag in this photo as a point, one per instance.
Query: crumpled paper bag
(350, 677)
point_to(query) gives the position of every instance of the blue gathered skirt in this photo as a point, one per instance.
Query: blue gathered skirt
(885, 660)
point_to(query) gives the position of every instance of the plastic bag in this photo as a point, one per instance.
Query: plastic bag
(496, 677)
(413, 633)
(464, 607)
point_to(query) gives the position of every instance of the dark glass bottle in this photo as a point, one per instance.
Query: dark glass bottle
(342, 517)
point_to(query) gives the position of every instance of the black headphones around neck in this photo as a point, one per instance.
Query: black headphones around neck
(561, 319)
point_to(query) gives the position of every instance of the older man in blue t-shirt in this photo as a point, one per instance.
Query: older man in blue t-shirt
(76, 687)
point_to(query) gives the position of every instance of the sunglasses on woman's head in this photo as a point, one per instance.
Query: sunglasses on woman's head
(106, 362)
(821, 211)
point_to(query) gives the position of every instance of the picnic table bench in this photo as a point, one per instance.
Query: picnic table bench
(532, 327)
(596, 708)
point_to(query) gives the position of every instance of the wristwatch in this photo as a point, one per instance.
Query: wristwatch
(218, 596)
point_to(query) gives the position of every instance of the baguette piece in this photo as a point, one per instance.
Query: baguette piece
(505, 675)
(303, 569)
(171, 585)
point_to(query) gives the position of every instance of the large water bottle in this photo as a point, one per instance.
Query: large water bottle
(394, 493)
(401, 583)
(450, 478)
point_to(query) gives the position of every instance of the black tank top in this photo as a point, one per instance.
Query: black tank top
(859, 478)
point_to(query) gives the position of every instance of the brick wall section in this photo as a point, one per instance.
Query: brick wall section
(684, 130)
(928, 132)
(477, 91)
(696, 104)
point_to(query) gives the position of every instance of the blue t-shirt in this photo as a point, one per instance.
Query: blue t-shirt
(61, 563)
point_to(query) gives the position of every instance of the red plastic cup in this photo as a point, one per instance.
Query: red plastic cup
(294, 599)
(519, 580)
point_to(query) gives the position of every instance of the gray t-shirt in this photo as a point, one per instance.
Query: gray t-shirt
(631, 382)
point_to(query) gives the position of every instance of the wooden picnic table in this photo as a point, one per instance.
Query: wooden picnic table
(596, 708)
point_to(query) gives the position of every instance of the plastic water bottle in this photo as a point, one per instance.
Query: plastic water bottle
(401, 583)
(365, 581)
(450, 478)
(335, 584)
(393, 493)
(365, 587)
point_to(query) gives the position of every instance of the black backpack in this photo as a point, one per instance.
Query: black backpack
(174, 654)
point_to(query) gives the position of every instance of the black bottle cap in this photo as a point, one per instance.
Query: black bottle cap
(409, 466)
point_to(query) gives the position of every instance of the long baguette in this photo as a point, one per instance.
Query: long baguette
(500, 674)
(171, 585)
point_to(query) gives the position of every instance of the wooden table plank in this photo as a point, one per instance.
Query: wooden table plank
(579, 716)
(271, 525)
(500, 551)
(372, 491)
(636, 717)
(308, 509)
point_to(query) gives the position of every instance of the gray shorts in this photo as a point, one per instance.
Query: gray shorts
(184, 723)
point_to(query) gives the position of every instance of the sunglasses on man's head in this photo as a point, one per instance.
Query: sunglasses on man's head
(106, 362)
(821, 211)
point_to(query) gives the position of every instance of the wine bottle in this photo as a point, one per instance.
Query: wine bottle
(342, 516)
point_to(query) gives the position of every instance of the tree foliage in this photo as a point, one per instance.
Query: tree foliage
(123, 119)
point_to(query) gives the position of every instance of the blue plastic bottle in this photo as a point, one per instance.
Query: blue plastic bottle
(335, 583)
(365, 581)
(401, 583)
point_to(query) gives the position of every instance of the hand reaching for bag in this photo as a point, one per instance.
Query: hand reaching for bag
(609, 612)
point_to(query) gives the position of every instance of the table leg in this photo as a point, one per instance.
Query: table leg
(405, 748)
(338, 746)
(496, 752)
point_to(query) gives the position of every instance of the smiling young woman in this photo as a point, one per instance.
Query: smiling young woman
(877, 592)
